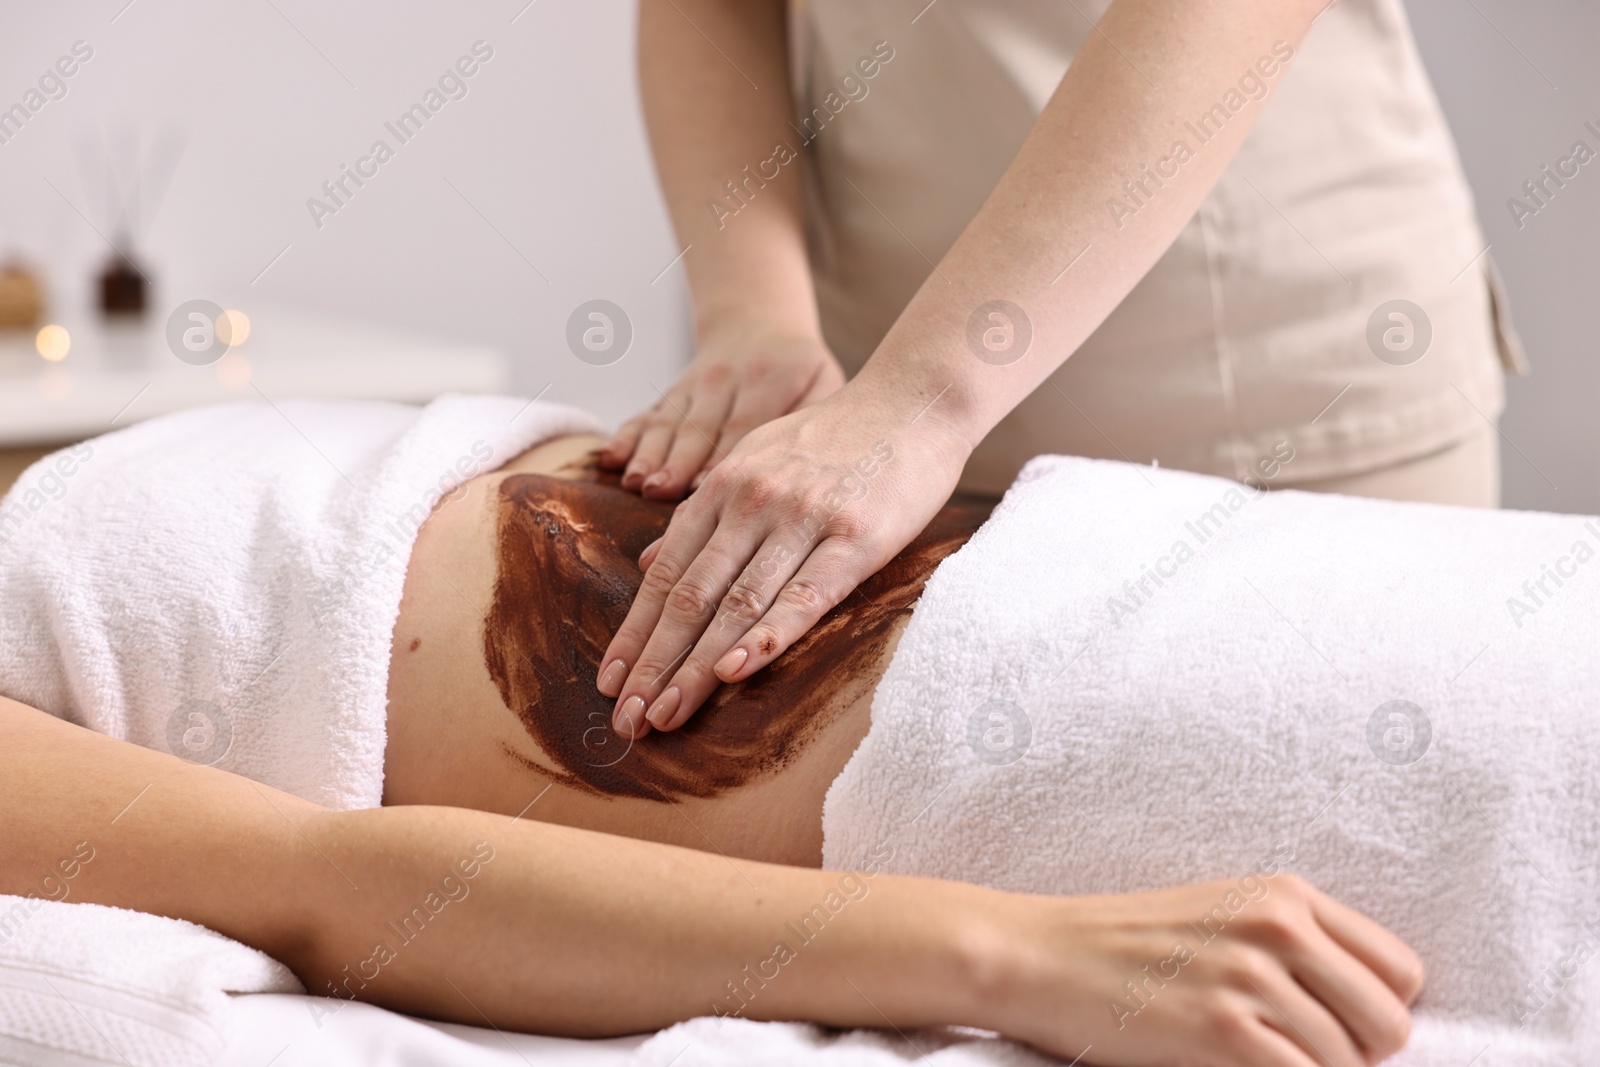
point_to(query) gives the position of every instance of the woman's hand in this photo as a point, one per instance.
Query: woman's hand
(740, 379)
(1264, 971)
(803, 509)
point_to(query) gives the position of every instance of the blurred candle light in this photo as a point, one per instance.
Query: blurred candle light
(233, 328)
(233, 371)
(53, 343)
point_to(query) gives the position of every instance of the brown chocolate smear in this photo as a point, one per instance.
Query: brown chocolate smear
(567, 553)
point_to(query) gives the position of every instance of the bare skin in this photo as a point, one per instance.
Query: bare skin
(447, 722)
(548, 921)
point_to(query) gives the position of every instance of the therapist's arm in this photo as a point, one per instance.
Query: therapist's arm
(714, 82)
(806, 506)
(490, 920)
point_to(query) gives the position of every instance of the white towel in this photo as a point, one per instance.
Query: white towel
(223, 584)
(220, 584)
(732, 1042)
(83, 984)
(1132, 678)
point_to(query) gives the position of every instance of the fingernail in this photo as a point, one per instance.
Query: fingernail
(611, 679)
(656, 480)
(730, 663)
(698, 478)
(632, 477)
(665, 708)
(630, 717)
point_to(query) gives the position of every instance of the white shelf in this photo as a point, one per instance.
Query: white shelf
(118, 375)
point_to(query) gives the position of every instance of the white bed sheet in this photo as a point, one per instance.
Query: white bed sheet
(283, 1030)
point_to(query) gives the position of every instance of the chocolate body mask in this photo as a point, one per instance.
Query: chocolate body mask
(567, 553)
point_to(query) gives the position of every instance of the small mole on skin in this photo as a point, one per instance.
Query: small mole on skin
(416, 643)
(767, 645)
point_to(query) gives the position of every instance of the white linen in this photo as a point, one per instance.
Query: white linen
(222, 584)
(711, 1042)
(1133, 678)
(300, 1031)
(732, 1042)
(84, 984)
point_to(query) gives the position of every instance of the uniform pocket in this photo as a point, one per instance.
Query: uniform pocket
(1512, 355)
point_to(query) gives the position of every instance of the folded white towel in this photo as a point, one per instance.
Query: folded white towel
(731, 1042)
(223, 584)
(1133, 678)
(83, 984)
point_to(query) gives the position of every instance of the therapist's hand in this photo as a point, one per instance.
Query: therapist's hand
(740, 378)
(800, 513)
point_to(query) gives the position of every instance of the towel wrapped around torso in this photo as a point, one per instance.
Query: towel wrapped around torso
(1132, 678)
(253, 557)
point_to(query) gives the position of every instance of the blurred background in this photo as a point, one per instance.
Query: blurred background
(195, 133)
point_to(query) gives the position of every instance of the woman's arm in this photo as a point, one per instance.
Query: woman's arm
(480, 918)
(714, 82)
(770, 542)
(549, 934)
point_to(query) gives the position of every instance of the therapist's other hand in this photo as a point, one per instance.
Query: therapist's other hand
(800, 513)
(739, 379)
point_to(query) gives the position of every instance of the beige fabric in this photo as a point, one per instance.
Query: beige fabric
(1252, 329)
(1466, 473)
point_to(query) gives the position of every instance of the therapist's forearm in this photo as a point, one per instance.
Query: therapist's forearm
(714, 81)
(1150, 67)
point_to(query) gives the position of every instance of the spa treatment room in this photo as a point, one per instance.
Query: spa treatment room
(823, 533)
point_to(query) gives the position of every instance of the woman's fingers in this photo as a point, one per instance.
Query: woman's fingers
(734, 385)
(736, 644)
(1263, 1046)
(735, 609)
(1304, 1020)
(693, 440)
(1288, 923)
(691, 527)
(746, 600)
(648, 556)
(660, 427)
(1380, 951)
(615, 453)
(828, 575)
(686, 611)
(1368, 1008)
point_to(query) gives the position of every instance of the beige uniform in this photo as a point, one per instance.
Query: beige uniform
(1257, 327)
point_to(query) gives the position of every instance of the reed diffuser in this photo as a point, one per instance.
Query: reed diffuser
(135, 183)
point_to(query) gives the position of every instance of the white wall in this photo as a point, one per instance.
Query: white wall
(548, 145)
(1518, 81)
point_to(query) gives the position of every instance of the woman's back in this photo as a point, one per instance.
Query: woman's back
(513, 590)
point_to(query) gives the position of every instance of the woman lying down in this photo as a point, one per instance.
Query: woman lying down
(333, 652)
